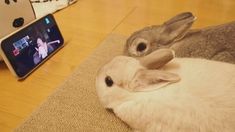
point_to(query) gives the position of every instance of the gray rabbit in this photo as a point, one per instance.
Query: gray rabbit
(214, 43)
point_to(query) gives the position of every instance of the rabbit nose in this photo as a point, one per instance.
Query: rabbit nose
(110, 110)
(141, 47)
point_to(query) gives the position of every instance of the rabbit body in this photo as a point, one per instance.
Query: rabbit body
(203, 100)
(214, 42)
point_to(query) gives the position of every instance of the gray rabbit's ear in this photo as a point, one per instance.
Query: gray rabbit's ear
(157, 58)
(144, 78)
(175, 28)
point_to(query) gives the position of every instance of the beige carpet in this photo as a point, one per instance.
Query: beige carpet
(74, 106)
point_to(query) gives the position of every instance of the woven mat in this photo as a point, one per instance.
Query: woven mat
(74, 106)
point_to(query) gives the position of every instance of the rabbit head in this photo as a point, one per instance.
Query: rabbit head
(123, 76)
(148, 39)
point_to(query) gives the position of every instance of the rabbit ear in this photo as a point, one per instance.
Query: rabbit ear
(144, 78)
(175, 28)
(157, 58)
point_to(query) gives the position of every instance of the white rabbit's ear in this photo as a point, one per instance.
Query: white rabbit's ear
(157, 58)
(175, 28)
(144, 78)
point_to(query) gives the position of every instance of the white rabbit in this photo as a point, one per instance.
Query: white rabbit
(214, 43)
(185, 95)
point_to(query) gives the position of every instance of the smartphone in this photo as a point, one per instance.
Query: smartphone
(24, 50)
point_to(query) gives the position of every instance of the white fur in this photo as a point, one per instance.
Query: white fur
(204, 99)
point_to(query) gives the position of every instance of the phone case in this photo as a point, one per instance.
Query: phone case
(14, 14)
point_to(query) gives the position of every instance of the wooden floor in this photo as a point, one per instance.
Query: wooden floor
(84, 25)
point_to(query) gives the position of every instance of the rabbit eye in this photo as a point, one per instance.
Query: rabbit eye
(109, 81)
(141, 47)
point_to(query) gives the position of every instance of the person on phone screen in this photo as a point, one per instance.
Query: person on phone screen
(42, 48)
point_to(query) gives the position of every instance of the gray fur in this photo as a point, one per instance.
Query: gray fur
(214, 42)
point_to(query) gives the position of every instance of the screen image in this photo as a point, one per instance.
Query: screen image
(29, 47)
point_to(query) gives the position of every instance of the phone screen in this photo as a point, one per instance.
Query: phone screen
(27, 48)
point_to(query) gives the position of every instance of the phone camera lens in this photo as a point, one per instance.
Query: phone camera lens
(18, 22)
